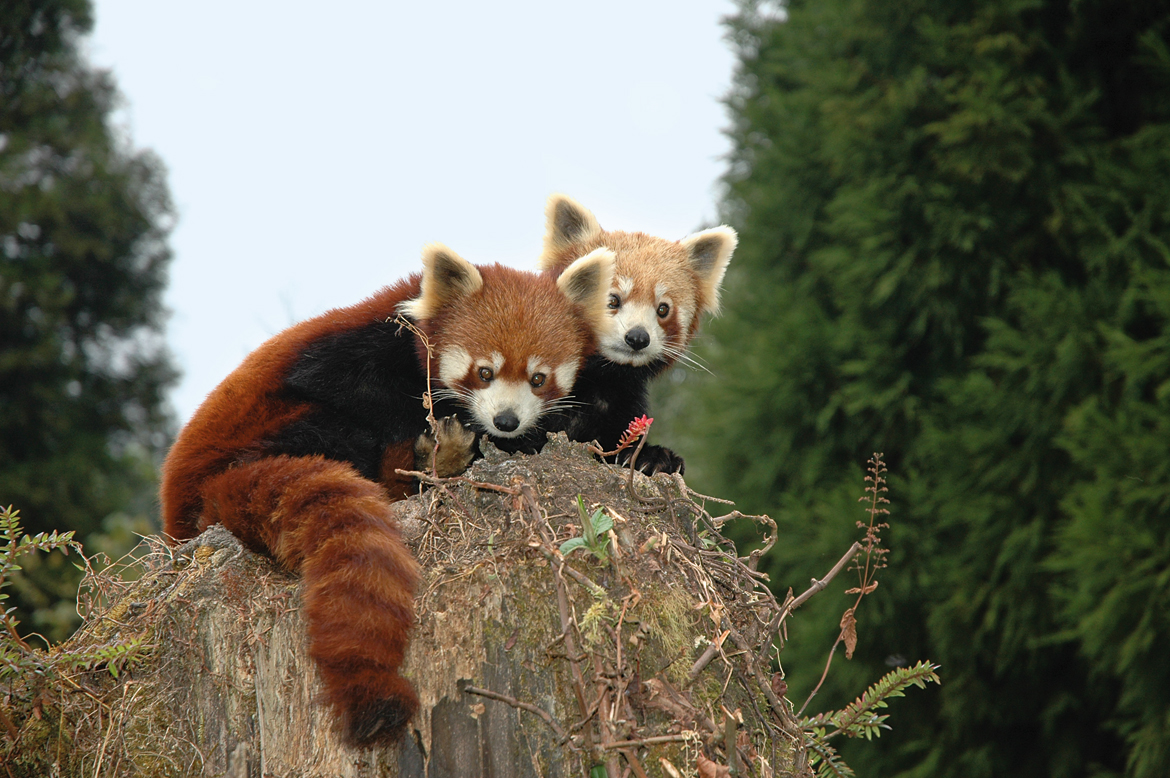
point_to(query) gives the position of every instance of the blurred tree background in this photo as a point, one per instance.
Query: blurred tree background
(955, 249)
(83, 256)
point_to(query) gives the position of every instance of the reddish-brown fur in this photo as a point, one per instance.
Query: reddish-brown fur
(534, 321)
(321, 518)
(248, 406)
(311, 514)
(319, 515)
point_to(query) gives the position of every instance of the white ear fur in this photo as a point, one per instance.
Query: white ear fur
(586, 282)
(566, 222)
(709, 251)
(446, 277)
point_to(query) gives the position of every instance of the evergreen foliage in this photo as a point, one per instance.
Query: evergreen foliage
(83, 222)
(955, 248)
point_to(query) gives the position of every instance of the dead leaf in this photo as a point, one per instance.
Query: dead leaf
(849, 632)
(743, 742)
(716, 613)
(709, 769)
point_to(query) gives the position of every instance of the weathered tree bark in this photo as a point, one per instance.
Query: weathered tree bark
(527, 662)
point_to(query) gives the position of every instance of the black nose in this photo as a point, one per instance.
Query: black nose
(506, 421)
(638, 338)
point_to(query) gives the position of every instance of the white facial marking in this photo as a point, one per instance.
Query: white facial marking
(495, 363)
(612, 342)
(565, 374)
(454, 364)
(660, 290)
(624, 284)
(500, 397)
(684, 316)
(536, 365)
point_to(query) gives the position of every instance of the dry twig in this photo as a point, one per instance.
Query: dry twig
(559, 731)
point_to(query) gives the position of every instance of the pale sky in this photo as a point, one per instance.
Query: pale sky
(314, 148)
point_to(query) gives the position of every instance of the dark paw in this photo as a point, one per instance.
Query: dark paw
(457, 447)
(380, 723)
(656, 459)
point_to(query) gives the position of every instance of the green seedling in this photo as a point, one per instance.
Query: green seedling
(594, 533)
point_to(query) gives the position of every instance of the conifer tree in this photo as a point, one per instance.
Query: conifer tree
(83, 224)
(955, 249)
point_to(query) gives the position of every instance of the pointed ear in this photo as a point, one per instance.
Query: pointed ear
(709, 251)
(446, 277)
(586, 283)
(566, 222)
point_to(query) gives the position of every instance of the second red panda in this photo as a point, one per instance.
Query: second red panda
(660, 290)
(295, 452)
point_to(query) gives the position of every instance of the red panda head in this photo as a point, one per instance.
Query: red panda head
(660, 287)
(507, 344)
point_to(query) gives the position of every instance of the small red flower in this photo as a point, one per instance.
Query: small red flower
(638, 428)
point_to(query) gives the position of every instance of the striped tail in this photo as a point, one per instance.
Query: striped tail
(321, 518)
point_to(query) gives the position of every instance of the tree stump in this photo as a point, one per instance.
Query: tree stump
(643, 652)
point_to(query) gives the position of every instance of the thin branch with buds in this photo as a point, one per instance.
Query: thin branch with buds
(875, 559)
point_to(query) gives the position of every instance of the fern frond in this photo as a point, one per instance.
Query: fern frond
(859, 718)
(825, 759)
(115, 656)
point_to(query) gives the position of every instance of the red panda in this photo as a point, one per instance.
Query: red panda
(295, 452)
(659, 291)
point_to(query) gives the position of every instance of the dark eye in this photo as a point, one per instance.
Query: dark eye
(537, 380)
(663, 311)
(486, 374)
(614, 303)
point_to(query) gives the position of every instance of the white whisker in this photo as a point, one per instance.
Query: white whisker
(568, 399)
(561, 405)
(687, 359)
(457, 395)
(692, 357)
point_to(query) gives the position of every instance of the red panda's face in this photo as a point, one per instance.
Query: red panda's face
(508, 343)
(660, 288)
(507, 389)
(652, 301)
